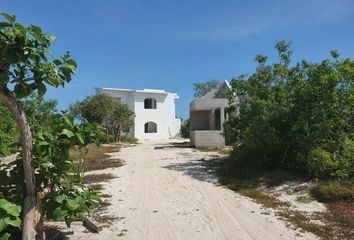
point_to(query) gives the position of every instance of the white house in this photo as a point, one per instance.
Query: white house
(155, 112)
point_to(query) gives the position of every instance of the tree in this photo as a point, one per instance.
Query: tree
(26, 66)
(185, 131)
(200, 89)
(8, 130)
(38, 111)
(94, 109)
(121, 118)
(105, 111)
(298, 117)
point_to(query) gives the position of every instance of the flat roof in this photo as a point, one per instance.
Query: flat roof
(145, 90)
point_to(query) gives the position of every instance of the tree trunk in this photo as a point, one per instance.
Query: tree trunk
(31, 213)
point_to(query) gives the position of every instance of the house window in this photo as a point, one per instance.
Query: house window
(150, 103)
(150, 127)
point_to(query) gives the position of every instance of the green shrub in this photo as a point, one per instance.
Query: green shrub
(335, 191)
(321, 163)
(297, 116)
(9, 218)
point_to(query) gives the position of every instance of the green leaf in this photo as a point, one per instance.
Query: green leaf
(67, 133)
(4, 78)
(66, 72)
(72, 63)
(80, 138)
(42, 89)
(3, 224)
(22, 90)
(5, 24)
(59, 213)
(13, 222)
(72, 204)
(21, 28)
(57, 62)
(6, 236)
(51, 38)
(60, 198)
(11, 208)
(11, 55)
(8, 17)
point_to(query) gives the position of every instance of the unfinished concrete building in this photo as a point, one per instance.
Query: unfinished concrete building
(207, 116)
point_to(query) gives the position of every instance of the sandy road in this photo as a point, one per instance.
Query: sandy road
(168, 194)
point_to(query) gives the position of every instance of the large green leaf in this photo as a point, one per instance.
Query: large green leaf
(60, 198)
(10, 208)
(5, 24)
(5, 236)
(72, 204)
(16, 222)
(67, 133)
(42, 89)
(8, 17)
(3, 224)
(59, 213)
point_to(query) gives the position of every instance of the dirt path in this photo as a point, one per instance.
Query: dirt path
(167, 194)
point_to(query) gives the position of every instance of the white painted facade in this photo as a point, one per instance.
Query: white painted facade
(162, 113)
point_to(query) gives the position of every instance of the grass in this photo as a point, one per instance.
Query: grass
(334, 191)
(301, 220)
(97, 178)
(304, 199)
(336, 223)
(185, 144)
(96, 158)
(130, 140)
(259, 196)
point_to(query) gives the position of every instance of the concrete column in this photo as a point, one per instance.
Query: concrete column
(212, 119)
(222, 118)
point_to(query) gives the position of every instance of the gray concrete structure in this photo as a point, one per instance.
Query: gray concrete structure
(207, 117)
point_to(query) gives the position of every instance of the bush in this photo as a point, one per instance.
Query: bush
(321, 163)
(296, 117)
(335, 191)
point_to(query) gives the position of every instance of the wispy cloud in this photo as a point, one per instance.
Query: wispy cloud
(236, 32)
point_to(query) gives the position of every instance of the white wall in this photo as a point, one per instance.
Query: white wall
(164, 114)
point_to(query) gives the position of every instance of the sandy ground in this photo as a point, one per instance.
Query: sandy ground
(169, 194)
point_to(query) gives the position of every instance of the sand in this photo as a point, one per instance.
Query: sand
(168, 194)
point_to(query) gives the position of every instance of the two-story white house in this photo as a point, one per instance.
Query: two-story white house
(155, 112)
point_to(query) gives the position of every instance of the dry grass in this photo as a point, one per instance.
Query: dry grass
(185, 144)
(334, 191)
(97, 178)
(336, 223)
(94, 158)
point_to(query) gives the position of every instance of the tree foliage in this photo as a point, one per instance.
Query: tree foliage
(202, 88)
(26, 67)
(185, 129)
(38, 112)
(105, 111)
(299, 117)
(9, 133)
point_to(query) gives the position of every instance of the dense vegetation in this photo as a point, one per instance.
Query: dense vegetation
(294, 116)
(38, 112)
(43, 173)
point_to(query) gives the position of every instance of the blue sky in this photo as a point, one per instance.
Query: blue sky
(170, 44)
